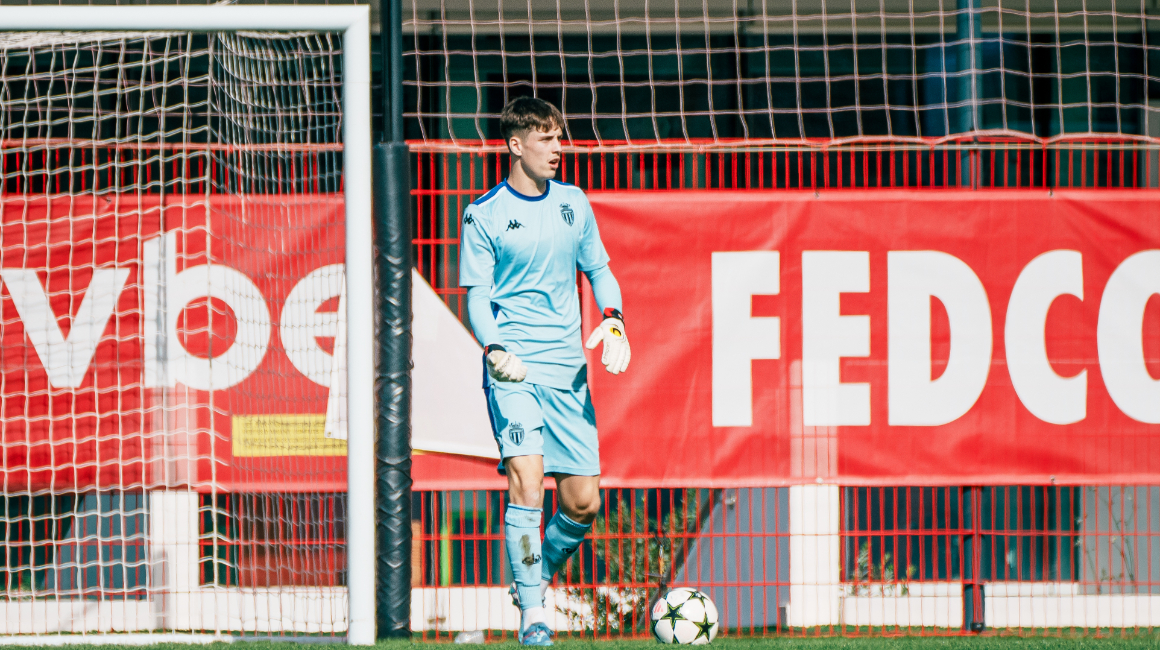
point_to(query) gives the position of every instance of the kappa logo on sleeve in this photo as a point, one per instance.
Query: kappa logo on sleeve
(468, 219)
(567, 214)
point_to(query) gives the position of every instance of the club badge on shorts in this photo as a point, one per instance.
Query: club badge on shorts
(516, 433)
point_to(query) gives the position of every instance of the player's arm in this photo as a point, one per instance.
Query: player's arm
(605, 289)
(476, 268)
(593, 261)
(501, 364)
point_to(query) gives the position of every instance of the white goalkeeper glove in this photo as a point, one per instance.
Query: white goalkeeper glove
(503, 365)
(616, 351)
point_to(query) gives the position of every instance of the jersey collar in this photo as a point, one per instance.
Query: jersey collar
(525, 197)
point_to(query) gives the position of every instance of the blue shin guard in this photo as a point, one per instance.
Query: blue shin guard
(522, 535)
(561, 540)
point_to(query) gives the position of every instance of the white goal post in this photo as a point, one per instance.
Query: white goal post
(353, 23)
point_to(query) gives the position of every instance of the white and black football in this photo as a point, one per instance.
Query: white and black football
(684, 616)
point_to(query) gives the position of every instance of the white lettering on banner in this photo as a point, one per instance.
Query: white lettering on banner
(66, 360)
(301, 323)
(1120, 336)
(1047, 395)
(336, 398)
(827, 336)
(167, 362)
(912, 278)
(738, 336)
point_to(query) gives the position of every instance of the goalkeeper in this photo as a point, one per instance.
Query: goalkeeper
(522, 244)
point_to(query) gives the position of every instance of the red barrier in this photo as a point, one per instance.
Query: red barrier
(721, 394)
(768, 402)
(82, 373)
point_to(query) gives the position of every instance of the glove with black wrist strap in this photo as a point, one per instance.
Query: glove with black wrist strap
(616, 353)
(503, 365)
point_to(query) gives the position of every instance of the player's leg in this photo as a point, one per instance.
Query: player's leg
(579, 497)
(579, 503)
(517, 422)
(572, 456)
(525, 475)
(522, 535)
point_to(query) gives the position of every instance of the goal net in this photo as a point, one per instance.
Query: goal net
(634, 74)
(172, 246)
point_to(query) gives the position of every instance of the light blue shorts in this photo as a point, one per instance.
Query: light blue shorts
(534, 420)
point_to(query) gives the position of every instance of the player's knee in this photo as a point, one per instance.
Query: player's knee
(586, 507)
(591, 509)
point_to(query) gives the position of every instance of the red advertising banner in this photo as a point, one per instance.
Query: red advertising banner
(883, 337)
(181, 343)
(878, 337)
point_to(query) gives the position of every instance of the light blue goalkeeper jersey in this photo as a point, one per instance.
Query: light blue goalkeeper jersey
(528, 249)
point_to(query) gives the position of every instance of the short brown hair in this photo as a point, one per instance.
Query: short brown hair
(523, 114)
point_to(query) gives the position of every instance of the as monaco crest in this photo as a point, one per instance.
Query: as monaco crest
(567, 214)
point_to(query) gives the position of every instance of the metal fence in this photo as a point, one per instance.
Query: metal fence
(448, 179)
(801, 560)
(918, 560)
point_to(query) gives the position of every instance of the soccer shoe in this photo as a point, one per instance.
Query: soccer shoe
(536, 634)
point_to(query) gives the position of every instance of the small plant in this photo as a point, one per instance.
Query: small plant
(871, 579)
(1121, 550)
(640, 558)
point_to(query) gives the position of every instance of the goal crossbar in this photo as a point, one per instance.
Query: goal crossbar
(354, 23)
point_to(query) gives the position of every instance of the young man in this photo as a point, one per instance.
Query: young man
(522, 244)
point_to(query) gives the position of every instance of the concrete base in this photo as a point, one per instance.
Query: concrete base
(306, 610)
(1015, 605)
(937, 604)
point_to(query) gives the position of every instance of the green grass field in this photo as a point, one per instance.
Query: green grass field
(883, 643)
(880, 643)
(986, 642)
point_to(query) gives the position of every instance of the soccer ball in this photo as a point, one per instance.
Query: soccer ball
(684, 616)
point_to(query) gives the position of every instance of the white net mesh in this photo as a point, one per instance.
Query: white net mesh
(171, 248)
(764, 71)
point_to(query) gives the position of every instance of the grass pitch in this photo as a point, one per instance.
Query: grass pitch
(1113, 641)
(1152, 642)
(1140, 642)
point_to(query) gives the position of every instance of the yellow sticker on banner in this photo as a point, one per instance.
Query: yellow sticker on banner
(284, 435)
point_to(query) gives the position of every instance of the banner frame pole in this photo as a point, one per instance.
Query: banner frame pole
(393, 268)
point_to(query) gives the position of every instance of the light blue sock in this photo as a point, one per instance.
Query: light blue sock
(561, 540)
(521, 532)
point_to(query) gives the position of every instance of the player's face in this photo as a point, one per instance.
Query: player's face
(539, 152)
